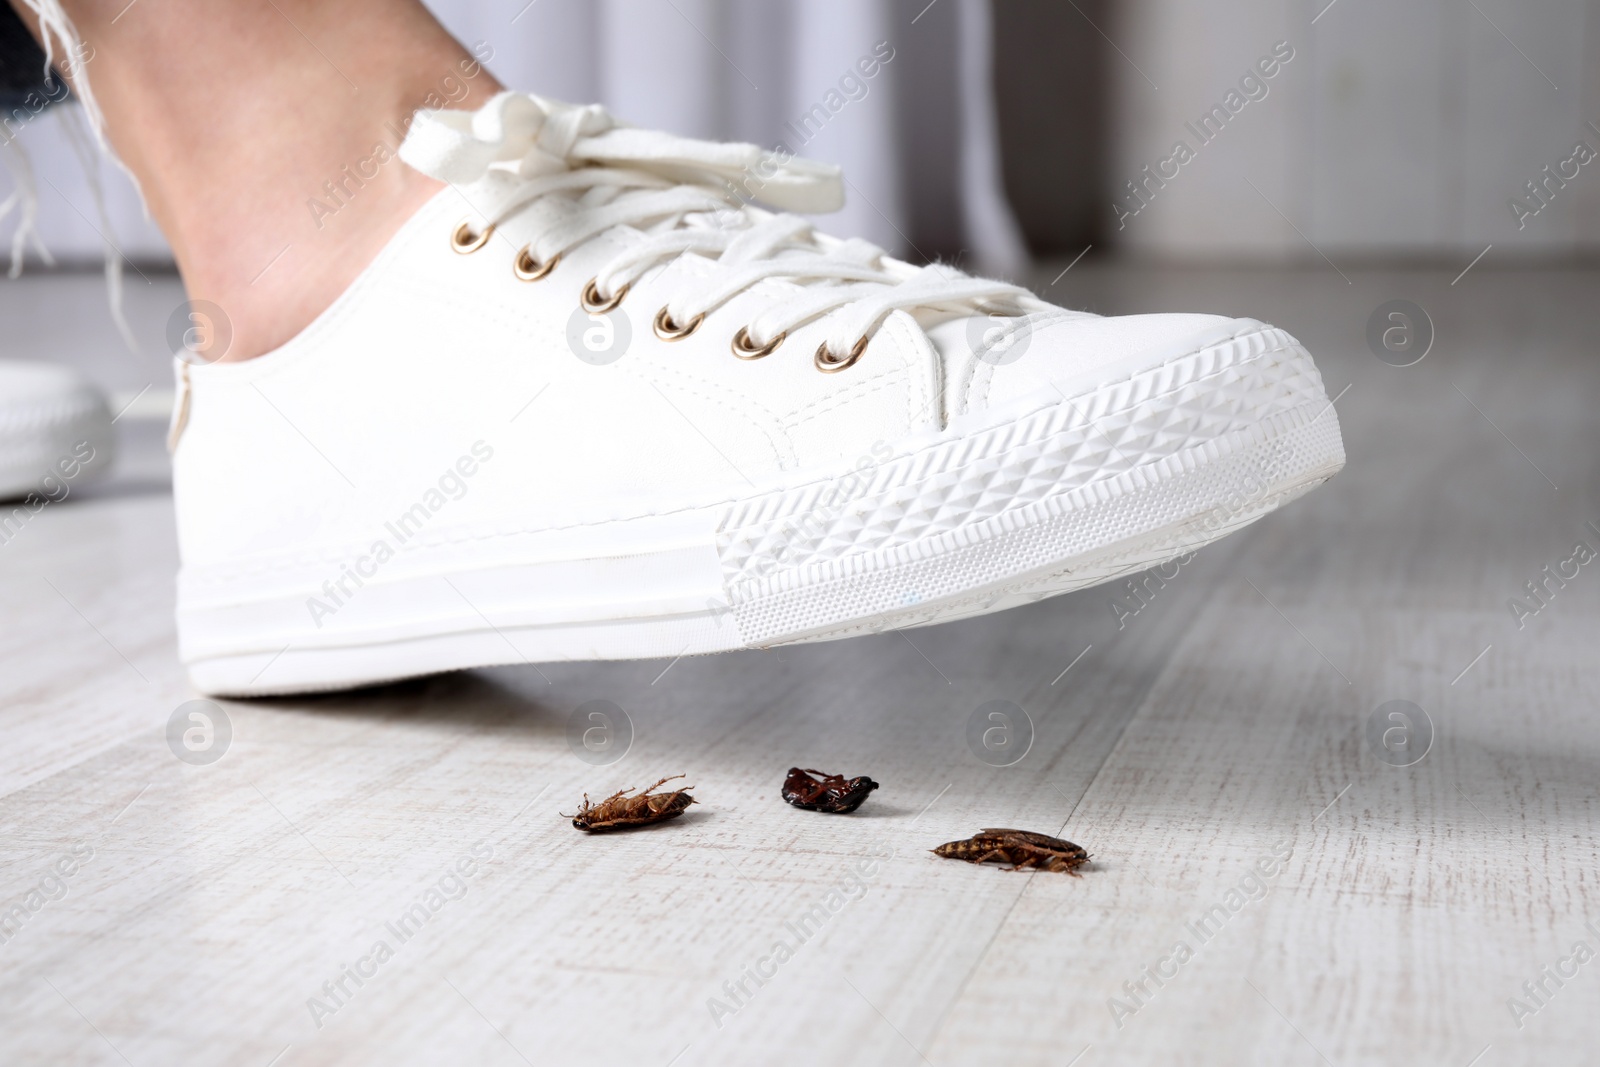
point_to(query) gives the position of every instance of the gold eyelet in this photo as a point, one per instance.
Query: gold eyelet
(668, 330)
(466, 242)
(594, 305)
(744, 348)
(828, 365)
(529, 270)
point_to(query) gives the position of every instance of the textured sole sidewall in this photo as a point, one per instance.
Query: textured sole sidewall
(1167, 461)
(1139, 519)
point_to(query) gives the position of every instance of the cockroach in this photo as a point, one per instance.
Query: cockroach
(1020, 848)
(826, 792)
(620, 811)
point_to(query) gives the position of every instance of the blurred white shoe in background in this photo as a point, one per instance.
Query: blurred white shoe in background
(55, 434)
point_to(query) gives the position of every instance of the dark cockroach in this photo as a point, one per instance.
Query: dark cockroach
(826, 792)
(1020, 848)
(620, 811)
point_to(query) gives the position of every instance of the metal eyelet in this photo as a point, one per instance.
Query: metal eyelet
(827, 364)
(668, 330)
(590, 299)
(744, 348)
(528, 269)
(466, 242)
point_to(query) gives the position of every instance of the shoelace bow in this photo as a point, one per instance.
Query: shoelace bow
(573, 172)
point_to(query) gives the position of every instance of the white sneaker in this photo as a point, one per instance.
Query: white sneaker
(760, 435)
(55, 435)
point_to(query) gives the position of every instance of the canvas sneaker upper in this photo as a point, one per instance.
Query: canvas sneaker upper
(605, 396)
(607, 311)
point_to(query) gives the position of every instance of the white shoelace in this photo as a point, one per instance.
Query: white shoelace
(572, 173)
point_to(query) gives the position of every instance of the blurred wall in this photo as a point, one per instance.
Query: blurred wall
(1396, 129)
(1392, 130)
(1054, 102)
(916, 139)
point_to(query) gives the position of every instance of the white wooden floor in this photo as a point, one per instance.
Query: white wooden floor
(1212, 754)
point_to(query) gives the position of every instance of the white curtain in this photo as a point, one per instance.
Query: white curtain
(917, 139)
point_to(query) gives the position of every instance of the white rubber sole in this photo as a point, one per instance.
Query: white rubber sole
(1059, 498)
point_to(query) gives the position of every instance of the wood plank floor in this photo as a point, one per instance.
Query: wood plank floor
(1266, 889)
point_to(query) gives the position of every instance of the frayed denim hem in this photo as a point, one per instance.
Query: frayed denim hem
(19, 107)
(23, 82)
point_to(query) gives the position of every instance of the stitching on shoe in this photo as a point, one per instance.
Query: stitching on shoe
(784, 455)
(913, 348)
(861, 388)
(218, 573)
(977, 367)
(907, 367)
(261, 565)
(987, 376)
(214, 579)
(981, 367)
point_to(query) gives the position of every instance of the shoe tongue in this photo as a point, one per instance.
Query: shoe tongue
(947, 334)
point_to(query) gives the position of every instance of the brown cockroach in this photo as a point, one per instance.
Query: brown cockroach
(826, 792)
(620, 811)
(1020, 848)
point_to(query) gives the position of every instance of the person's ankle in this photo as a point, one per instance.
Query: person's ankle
(270, 284)
(273, 240)
(263, 140)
